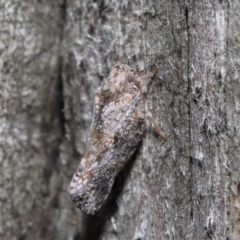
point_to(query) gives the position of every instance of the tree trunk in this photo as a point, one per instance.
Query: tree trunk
(55, 54)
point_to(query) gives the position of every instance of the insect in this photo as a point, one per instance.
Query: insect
(117, 128)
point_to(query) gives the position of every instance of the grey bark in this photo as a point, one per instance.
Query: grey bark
(53, 58)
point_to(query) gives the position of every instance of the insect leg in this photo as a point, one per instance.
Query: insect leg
(156, 126)
(150, 74)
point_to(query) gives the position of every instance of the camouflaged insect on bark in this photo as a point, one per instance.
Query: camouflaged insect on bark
(117, 128)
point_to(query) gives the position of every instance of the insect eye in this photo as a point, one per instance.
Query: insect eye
(130, 78)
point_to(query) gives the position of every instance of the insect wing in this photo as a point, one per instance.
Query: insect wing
(116, 135)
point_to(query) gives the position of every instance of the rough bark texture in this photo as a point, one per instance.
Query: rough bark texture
(54, 55)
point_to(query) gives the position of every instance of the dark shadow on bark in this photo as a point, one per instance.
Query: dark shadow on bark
(95, 225)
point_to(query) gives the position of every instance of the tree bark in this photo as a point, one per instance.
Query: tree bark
(53, 58)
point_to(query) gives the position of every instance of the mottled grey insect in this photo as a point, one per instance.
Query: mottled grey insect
(117, 128)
